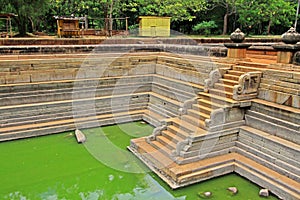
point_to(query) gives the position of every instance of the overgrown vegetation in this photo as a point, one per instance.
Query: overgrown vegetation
(188, 16)
(205, 27)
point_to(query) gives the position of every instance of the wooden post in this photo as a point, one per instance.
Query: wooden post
(10, 28)
(86, 22)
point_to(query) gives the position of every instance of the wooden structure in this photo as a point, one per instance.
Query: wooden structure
(68, 27)
(7, 30)
(119, 26)
(153, 26)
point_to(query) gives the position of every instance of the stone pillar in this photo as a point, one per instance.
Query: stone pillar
(287, 49)
(237, 49)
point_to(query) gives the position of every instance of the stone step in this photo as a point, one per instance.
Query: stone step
(246, 68)
(262, 57)
(235, 72)
(228, 82)
(275, 120)
(198, 114)
(167, 142)
(280, 185)
(88, 112)
(155, 115)
(180, 84)
(23, 110)
(221, 93)
(202, 108)
(174, 137)
(63, 127)
(231, 77)
(154, 121)
(67, 121)
(186, 126)
(158, 109)
(253, 64)
(174, 92)
(224, 87)
(165, 100)
(204, 152)
(165, 149)
(177, 131)
(67, 95)
(221, 100)
(276, 110)
(281, 147)
(268, 160)
(191, 171)
(208, 104)
(146, 151)
(194, 121)
(252, 145)
(273, 128)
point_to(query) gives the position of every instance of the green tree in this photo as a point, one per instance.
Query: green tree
(229, 7)
(266, 13)
(177, 9)
(28, 11)
(205, 27)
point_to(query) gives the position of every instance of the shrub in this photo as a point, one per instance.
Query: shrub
(205, 27)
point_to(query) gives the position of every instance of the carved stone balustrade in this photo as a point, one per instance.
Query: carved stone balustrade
(187, 105)
(248, 86)
(214, 77)
(156, 132)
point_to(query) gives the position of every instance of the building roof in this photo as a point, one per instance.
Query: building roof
(149, 17)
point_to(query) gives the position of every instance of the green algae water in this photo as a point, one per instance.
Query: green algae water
(56, 167)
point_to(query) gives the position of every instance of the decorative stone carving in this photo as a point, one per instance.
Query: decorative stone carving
(237, 36)
(248, 84)
(217, 117)
(187, 105)
(181, 146)
(214, 77)
(156, 132)
(291, 36)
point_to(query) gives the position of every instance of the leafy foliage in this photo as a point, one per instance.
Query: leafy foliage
(219, 16)
(253, 14)
(205, 27)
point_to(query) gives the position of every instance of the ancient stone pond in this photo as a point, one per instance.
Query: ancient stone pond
(71, 172)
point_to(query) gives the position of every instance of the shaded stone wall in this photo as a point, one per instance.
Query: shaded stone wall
(93, 41)
(280, 87)
(48, 95)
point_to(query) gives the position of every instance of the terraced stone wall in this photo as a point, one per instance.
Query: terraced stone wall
(53, 94)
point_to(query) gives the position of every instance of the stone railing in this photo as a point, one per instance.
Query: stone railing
(187, 105)
(181, 146)
(214, 77)
(156, 132)
(247, 87)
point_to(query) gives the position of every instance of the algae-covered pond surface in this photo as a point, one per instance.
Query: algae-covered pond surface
(56, 167)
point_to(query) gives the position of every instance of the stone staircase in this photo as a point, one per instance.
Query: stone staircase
(210, 137)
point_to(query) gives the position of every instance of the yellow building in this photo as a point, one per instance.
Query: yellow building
(153, 26)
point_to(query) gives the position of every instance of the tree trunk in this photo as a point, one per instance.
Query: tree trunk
(225, 24)
(32, 25)
(269, 27)
(21, 22)
(110, 18)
